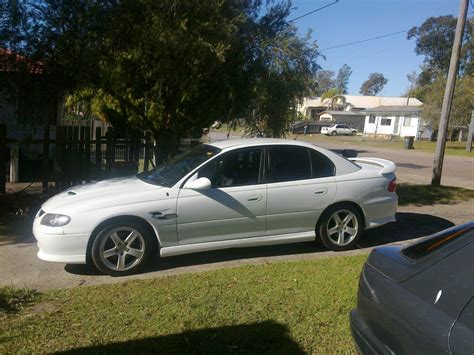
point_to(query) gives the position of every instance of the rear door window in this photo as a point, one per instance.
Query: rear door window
(288, 163)
(321, 166)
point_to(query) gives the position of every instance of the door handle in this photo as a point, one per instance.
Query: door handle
(160, 215)
(321, 192)
(254, 198)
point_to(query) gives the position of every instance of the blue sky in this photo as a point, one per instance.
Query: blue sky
(354, 20)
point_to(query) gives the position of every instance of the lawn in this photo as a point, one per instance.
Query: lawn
(452, 148)
(294, 307)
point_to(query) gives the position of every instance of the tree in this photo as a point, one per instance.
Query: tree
(163, 67)
(434, 40)
(373, 85)
(342, 79)
(463, 102)
(324, 80)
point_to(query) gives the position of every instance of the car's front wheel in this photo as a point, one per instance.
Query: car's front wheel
(353, 133)
(341, 227)
(333, 133)
(121, 248)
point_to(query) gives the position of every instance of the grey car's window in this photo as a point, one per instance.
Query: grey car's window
(235, 168)
(169, 173)
(289, 163)
(321, 166)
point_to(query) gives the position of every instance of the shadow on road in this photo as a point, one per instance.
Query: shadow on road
(408, 226)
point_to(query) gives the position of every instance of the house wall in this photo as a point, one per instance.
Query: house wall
(406, 126)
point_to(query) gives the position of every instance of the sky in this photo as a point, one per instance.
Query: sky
(354, 20)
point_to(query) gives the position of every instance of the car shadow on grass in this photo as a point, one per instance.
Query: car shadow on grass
(265, 337)
(408, 226)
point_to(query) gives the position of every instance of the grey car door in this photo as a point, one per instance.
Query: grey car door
(300, 185)
(233, 208)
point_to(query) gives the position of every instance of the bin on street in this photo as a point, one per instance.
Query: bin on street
(409, 142)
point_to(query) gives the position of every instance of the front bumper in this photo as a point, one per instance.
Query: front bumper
(364, 339)
(55, 246)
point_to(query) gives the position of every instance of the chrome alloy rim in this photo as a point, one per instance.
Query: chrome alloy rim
(122, 248)
(342, 227)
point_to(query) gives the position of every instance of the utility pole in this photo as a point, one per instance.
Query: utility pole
(448, 95)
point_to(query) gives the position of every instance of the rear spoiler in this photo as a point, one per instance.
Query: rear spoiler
(386, 165)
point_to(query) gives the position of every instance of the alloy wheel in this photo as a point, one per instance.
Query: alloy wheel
(122, 248)
(342, 227)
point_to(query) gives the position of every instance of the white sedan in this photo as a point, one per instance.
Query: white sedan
(234, 193)
(338, 130)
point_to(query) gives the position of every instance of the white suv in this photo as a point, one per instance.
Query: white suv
(338, 129)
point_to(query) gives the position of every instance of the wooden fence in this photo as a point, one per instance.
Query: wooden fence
(73, 158)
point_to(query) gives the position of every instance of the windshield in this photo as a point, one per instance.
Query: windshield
(169, 173)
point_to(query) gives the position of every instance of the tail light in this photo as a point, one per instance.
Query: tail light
(392, 186)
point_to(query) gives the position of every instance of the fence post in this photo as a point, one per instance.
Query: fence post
(45, 165)
(110, 150)
(14, 161)
(58, 158)
(3, 152)
(76, 161)
(68, 157)
(81, 160)
(98, 152)
(87, 158)
(146, 162)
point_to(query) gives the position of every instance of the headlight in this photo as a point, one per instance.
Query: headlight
(55, 220)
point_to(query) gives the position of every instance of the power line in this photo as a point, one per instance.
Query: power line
(364, 40)
(312, 12)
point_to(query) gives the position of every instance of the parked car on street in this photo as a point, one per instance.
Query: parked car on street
(232, 193)
(418, 299)
(338, 130)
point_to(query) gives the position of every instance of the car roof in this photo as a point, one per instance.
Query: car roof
(343, 166)
(250, 142)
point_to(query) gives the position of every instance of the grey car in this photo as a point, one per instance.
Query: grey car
(418, 299)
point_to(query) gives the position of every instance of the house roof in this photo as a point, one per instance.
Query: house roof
(394, 109)
(366, 102)
(344, 113)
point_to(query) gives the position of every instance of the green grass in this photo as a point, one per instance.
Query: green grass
(12, 300)
(452, 148)
(431, 195)
(294, 307)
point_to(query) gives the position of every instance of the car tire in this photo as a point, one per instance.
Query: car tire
(337, 233)
(333, 133)
(353, 133)
(112, 254)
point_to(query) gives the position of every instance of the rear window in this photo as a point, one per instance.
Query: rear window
(438, 241)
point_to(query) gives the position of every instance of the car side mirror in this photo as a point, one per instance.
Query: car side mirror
(198, 184)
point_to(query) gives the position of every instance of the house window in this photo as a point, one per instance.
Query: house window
(313, 113)
(407, 122)
(371, 119)
(386, 122)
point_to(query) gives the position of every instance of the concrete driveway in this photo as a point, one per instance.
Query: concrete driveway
(20, 267)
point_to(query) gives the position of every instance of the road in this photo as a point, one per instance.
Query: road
(412, 166)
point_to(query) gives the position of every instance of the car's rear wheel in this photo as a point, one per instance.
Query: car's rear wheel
(333, 133)
(121, 248)
(341, 227)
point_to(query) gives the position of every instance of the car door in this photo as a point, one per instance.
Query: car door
(300, 185)
(233, 208)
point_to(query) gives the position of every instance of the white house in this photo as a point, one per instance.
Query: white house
(389, 121)
(353, 111)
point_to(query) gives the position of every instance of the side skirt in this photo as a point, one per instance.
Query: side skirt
(238, 243)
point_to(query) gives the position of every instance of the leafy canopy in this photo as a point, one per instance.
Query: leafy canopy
(373, 85)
